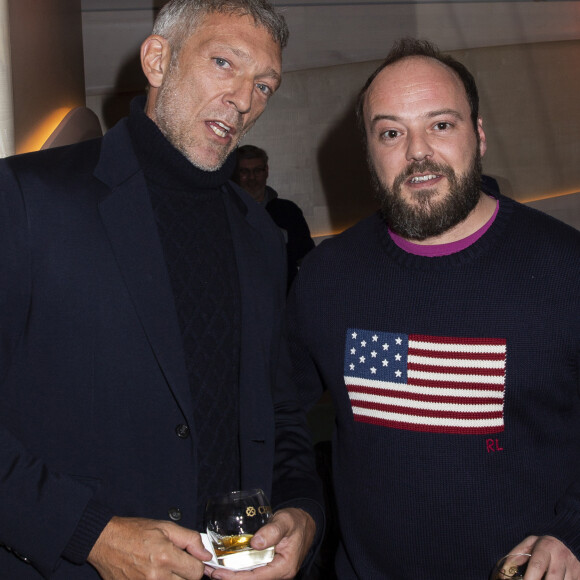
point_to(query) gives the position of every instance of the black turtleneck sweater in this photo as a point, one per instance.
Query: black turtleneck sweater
(195, 234)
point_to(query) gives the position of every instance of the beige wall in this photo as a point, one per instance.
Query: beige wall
(528, 102)
(525, 56)
(46, 48)
(6, 111)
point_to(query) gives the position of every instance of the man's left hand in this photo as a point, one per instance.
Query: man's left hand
(550, 559)
(291, 531)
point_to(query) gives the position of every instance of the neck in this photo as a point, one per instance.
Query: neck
(477, 218)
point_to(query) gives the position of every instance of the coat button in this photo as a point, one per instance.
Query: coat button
(182, 431)
(174, 514)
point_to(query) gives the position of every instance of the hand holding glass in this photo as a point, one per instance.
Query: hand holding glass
(232, 519)
(511, 566)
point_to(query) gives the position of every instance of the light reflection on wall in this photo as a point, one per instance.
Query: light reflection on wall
(552, 195)
(39, 135)
(46, 52)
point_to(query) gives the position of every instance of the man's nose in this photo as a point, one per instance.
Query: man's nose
(240, 95)
(418, 146)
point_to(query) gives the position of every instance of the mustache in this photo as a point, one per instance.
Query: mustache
(423, 167)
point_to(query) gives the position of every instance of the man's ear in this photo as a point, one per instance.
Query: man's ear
(155, 57)
(482, 137)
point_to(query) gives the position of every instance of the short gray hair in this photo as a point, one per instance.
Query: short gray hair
(178, 19)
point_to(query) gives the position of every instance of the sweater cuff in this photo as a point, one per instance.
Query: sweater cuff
(566, 528)
(92, 522)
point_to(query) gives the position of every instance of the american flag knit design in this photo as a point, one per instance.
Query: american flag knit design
(426, 383)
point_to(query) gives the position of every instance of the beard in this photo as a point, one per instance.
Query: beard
(428, 218)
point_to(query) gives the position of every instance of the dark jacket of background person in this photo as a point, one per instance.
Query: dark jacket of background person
(289, 218)
(96, 416)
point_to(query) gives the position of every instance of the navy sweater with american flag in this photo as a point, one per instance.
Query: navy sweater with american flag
(455, 382)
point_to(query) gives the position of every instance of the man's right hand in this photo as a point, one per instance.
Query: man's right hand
(137, 548)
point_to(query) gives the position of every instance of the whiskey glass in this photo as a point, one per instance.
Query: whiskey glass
(232, 519)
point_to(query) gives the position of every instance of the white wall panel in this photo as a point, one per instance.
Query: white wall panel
(327, 35)
(566, 208)
(6, 108)
(111, 47)
(531, 119)
(330, 35)
(525, 56)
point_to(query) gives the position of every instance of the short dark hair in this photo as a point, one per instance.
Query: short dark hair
(407, 47)
(178, 19)
(251, 152)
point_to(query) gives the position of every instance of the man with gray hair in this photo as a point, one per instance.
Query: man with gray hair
(141, 362)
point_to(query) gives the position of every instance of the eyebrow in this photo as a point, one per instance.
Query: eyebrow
(429, 115)
(269, 73)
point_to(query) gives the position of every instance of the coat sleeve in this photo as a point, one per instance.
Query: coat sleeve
(40, 509)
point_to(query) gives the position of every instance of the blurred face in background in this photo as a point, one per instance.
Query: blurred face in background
(251, 175)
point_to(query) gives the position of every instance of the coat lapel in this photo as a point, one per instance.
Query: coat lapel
(130, 225)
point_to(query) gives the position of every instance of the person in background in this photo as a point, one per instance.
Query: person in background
(135, 280)
(447, 329)
(251, 173)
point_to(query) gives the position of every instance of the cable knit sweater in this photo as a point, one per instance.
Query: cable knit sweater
(455, 384)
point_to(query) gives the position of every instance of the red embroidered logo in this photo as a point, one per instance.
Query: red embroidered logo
(493, 445)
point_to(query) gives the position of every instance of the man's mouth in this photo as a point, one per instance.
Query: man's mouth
(423, 178)
(220, 129)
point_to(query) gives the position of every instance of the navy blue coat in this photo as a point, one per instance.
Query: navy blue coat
(96, 415)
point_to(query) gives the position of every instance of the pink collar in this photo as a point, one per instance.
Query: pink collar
(443, 249)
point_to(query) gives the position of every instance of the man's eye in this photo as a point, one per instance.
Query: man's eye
(221, 62)
(442, 126)
(390, 134)
(264, 89)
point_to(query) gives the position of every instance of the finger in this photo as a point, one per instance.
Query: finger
(172, 555)
(199, 551)
(267, 572)
(184, 565)
(556, 559)
(282, 525)
(270, 534)
(538, 565)
(188, 540)
(526, 546)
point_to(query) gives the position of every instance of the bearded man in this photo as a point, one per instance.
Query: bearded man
(446, 328)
